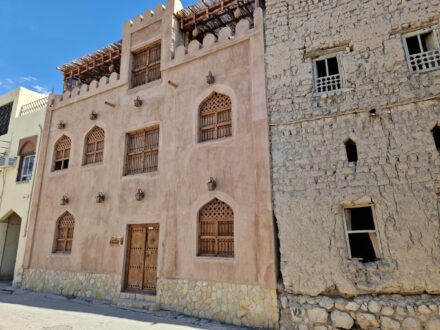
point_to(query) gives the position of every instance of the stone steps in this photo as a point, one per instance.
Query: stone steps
(137, 305)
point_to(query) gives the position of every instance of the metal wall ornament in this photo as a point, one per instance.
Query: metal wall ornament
(210, 79)
(212, 184)
(64, 200)
(140, 195)
(61, 125)
(93, 115)
(100, 198)
(138, 102)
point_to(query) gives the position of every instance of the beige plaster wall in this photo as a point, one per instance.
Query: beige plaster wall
(175, 193)
(15, 197)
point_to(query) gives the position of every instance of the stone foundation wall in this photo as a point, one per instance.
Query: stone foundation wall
(386, 312)
(90, 285)
(231, 303)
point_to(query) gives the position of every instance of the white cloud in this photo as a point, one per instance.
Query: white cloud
(9, 81)
(28, 78)
(41, 89)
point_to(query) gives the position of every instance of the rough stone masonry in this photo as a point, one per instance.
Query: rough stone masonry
(388, 110)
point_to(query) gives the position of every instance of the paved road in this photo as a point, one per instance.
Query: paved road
(28, 310)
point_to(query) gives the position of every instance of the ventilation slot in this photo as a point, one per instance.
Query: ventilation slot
(351, 149)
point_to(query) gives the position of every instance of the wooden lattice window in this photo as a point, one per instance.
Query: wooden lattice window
(64, 233)
(215, 117)
(216, 234)
(146, 66)
(142, 151)
(62, 153)
(94, 149)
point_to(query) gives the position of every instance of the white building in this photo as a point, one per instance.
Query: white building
(22, 115)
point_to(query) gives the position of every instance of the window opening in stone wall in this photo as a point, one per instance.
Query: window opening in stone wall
(216, 230)
(62, 153)
(351, 149)
(361, 232)
(327, 75)
(5, 116)
(436, 135)
(142, 151)
(423, 52)
(94, 149)
(146, 66)
(215, 120)
(64, 233)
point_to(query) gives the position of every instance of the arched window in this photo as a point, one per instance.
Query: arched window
(62, 153)
(216, 230)
(436, 136)
(64, 233)
(94, 149)
(215, 117)
(351, 149)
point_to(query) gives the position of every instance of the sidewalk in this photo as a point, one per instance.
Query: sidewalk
(22, 309)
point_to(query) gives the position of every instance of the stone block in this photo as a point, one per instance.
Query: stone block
(387, 323)
(317, 315)
(411, 323)
(341, 320)
(433, 324)
(366, 321)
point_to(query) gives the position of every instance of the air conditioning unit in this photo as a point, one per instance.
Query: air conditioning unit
(6, 162)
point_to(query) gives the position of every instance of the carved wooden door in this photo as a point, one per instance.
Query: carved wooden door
(141, 264)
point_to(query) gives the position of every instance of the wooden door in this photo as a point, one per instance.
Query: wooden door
(141, 264)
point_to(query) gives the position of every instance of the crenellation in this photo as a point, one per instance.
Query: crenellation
(141, 21)
(84, 91)
(211, 43)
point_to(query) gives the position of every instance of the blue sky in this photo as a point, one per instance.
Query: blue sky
(38, 35)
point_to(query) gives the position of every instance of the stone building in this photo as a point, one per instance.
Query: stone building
(22, 114)
(353, 99)
(154, 182)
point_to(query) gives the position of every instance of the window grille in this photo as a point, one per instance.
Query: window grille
(216, 235)
(362, 239)
(215, 117)
(64, 234)
(146, 66)
(5, 116)
(423, 52)
(142, 151)
(94, 150)
(327, 75)
(62, 153)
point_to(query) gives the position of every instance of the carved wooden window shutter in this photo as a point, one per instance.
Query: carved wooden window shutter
(94, 150)
(62, 153)
(215, 117)
(146, 66)
(142, 151)
(216, 234)
(64, 236)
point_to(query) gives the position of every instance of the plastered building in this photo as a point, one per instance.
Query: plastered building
(21, 118)
(153, 183)
(353, 97)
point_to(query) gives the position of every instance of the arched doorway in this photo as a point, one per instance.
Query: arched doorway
(9, 236)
